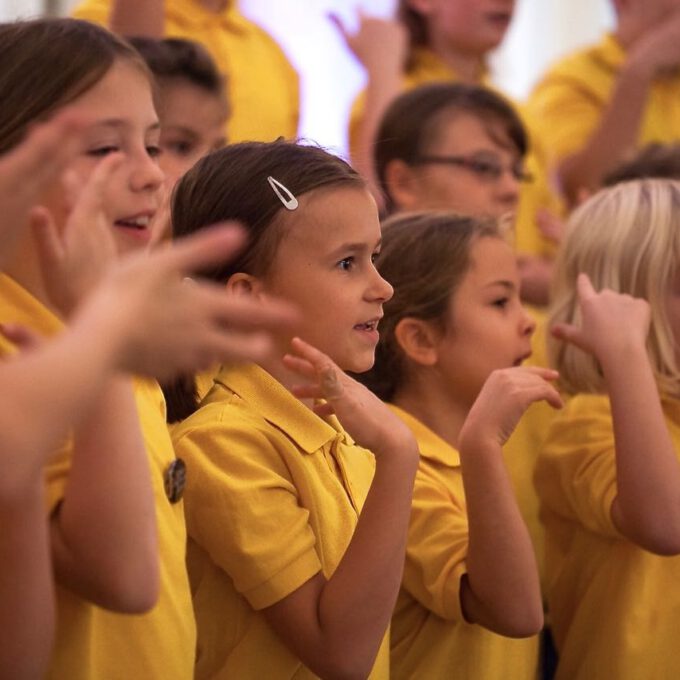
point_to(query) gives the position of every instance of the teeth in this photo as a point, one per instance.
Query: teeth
(137, 221)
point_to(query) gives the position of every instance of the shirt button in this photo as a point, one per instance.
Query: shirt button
(175, 480)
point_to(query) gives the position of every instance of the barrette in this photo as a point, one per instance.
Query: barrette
(285, 196)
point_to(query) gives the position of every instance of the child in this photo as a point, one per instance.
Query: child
(263, 89)
(609, 476)
(106, 528)
(190, 102)
(297, 534)
(454, 335)
(601, 103)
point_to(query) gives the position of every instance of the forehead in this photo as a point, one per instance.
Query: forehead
(491, 259)
(190, 105)
(330, 217)
(460, 131)
(124, 91)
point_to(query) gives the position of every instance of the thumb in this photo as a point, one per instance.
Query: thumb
(569, 333)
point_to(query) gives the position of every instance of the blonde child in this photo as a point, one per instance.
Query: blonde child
(297, 533)
(113, 488)
(609, 476)
(448, 363)
(603, 102)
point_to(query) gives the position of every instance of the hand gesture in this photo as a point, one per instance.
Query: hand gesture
(609, 321)
(505, 396)
(658, 50)
(166, 325)
(381, 45)
(362, 414)
(29, 169)
(75, 257)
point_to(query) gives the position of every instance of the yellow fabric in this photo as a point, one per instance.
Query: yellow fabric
(429, 636)
(92, 643)
(273, 499)
(615, 608)
(262, 86)
(428, 68)
(571, 97)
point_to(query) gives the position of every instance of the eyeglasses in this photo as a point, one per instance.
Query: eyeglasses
(487, 169)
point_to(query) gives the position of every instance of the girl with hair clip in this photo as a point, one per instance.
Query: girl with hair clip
(116, 526)
(297, 532)
(609, 476)
(448, 363)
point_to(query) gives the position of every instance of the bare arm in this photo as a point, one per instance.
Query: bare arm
(501, 589)
(647, 506)
(131, 17)
(618, 130)
(336, 626)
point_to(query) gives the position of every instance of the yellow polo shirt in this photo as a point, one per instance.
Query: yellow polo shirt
(262, 86)
(429, 636)
(273, 498)
(429, 68)
(92, 643)
(615, 607)
(571, 96)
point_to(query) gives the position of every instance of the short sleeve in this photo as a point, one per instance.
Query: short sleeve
(576, 470)
(437, 546)
(242, 508)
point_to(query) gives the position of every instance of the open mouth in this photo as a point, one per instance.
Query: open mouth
(139, 223)
(519, 361)
(371, 325)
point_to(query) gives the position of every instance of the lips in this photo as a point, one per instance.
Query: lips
(370, 325)
(520, 360)
(139, 222)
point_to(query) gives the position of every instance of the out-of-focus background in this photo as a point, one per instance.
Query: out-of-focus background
(542, 31)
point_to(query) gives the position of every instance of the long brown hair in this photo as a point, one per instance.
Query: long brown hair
(424, 256)
(233, 184)
(47, 63)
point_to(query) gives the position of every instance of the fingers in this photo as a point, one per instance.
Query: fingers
(210, 246)
(549, 374)
(90, 201)
(48, 244)
(568, 333)
(314, 356)
(24, 338)
(584, 287)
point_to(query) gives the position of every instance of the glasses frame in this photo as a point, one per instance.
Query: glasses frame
(486, 170)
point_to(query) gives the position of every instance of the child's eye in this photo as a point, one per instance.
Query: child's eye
(101, 151)
(180, 148)
(502, 303)
(346, 263)
(153, 151)
(374, 257)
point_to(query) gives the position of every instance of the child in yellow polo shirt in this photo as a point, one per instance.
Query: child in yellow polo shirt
(263, 87)
(116, 524)
(297, 533)
(448, 362)
(597, 106)
(609, 474)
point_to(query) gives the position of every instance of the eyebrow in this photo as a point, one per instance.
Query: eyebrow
(355, 248)
(506, 284)
(120, 123)
(181, 129)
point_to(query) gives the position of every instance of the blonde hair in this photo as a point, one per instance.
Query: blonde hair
(627, 239)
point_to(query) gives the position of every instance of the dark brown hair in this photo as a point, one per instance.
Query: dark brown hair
(232, 184)
(414, 121)
(654, 161)
(424, 256)
(172, 59)
(415, 25)
(46, 64)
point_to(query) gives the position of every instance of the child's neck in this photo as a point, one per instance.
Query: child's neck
(435, 407)
(469, 68)
(275, 367)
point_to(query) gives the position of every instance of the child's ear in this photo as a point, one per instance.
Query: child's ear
(401, 184)
(244, 284)
(418, 340)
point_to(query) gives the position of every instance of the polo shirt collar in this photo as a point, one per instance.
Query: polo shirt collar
(18, 306)
(426, 66)
(432, 446)
(280, 408)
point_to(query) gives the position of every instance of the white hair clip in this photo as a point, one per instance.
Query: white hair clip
(289, 201)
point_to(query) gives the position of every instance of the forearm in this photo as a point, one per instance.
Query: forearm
(26, 587)
(647, 505)
(616, 134)
(104, 531)
(133, 18)
(501, 590)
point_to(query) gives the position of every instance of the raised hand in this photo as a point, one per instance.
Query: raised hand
(74, 257)
(658, 50)
(505, 396)
(609, 321)
(361, 413)
(166, 325)
(29, 169)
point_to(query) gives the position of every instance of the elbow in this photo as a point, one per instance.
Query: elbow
(345, 665)
(660, 543)
(132, 590)
(655, 534)
(522, 624)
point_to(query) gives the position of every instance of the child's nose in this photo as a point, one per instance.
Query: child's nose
(146, 175)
